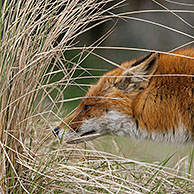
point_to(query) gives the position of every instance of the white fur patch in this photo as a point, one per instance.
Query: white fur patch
(119, 124)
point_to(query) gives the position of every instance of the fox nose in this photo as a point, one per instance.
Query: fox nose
(56, 131)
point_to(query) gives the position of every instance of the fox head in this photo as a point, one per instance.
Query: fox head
(107, 108)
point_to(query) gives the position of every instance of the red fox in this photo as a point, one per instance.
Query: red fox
(151, 97)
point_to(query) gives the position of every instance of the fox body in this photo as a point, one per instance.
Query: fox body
(151, 97)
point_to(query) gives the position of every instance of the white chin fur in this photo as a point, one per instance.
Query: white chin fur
(66, 135)
(60, 134)
(119, 124)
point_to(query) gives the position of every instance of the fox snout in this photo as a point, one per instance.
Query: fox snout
(63, 133)
(71, 136)
(56, 131)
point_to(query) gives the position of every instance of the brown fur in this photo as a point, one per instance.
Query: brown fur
(159, 103)
(169, 100)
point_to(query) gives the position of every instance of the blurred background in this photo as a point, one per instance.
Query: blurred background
(161, 25)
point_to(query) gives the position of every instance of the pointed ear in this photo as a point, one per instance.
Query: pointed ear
(139, 73)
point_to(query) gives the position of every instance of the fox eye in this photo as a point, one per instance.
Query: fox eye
(86, 107)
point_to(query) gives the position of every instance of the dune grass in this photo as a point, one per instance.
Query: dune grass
(35, 36)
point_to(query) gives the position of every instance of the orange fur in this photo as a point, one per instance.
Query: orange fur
(168, 100)
(159, 103)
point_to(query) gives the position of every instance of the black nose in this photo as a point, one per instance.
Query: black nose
(56, 131)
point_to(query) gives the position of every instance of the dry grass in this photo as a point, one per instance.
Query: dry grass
(34, 37)
(31, 47)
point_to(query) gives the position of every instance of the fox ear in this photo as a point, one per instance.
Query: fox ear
(139, 73)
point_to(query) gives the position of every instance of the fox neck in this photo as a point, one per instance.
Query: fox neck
(120, 124)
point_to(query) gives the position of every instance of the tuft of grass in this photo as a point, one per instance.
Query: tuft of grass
(75, 170)
(34, 38)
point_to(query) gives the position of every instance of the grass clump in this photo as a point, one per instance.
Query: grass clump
(34, 37)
